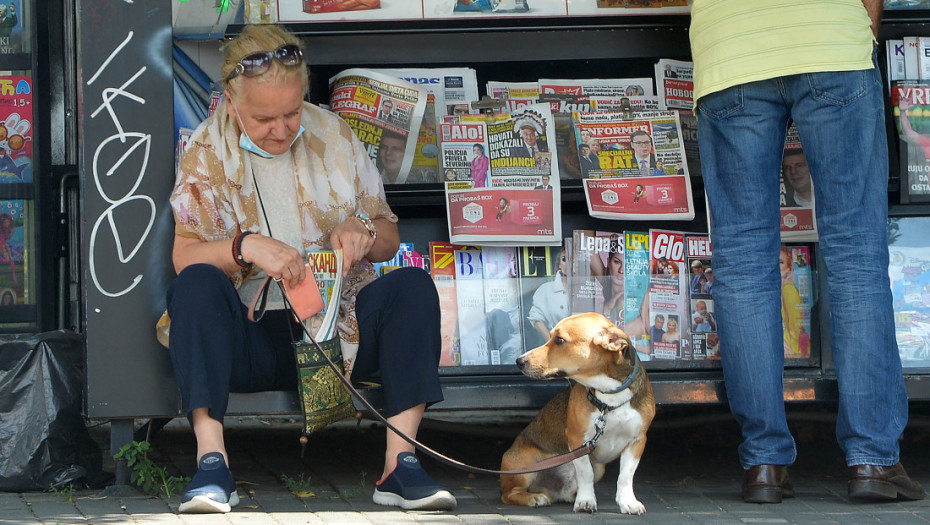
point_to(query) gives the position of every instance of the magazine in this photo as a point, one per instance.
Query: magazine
(442, 270)
(469, 296)
(909, 271)
(797, 298)
(14, 276)
(587, 270)
(406, 256)
(502, 304)
(326, 266)
(698, 252)
(386, 114)
(544, 291)
(633, 166)
(17, 123)
(910, 102)
(668, 295)
(502, 185)
(636, 259)
(798, 222)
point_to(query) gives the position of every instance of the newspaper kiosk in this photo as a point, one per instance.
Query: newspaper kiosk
(125, 68)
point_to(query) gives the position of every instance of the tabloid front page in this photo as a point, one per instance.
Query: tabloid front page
(502, 185)
(386, 114)
(634, 168)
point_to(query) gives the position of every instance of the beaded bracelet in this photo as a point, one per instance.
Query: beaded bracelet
(237, 249)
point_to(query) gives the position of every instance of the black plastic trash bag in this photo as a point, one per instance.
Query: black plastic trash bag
(43, 440)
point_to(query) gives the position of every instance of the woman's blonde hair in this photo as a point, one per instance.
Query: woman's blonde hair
(259, 38)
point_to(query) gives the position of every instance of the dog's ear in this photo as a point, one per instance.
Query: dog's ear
(612, 338)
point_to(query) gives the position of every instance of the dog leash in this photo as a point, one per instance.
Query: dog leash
(585, 449)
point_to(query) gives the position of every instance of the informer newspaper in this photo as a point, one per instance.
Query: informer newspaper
(634, 168)
(502, 184)
(386, 114)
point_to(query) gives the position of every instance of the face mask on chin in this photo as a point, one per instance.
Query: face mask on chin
(245, 142)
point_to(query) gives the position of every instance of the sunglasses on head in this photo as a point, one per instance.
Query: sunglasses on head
(259, 63)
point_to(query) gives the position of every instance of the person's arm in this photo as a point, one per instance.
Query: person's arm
(874, 9)
(276, 258)
(540, 327)
(597, 266)
(356, 243)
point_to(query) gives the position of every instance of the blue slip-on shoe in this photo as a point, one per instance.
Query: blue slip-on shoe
(212, 489)
(410, 487)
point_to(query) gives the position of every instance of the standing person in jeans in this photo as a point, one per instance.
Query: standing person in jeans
(759, 64)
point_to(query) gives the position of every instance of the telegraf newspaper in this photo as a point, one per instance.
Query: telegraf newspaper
(449, 91)
(634, 167)
(502, 184)
(385, 113)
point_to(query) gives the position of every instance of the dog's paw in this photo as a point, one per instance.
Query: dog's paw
(585, 505)
(632, 506)
(539, 500)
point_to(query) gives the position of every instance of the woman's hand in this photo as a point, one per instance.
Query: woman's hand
(276, 258)
(355, 241)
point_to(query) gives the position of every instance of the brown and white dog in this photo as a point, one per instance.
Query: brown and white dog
(607, 381)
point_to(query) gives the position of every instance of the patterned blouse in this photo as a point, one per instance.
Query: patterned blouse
(214, 198)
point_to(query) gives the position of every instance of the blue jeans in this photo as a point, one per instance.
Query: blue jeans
(840, 118)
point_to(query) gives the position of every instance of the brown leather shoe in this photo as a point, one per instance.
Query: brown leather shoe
(766, 484)
(875, 482)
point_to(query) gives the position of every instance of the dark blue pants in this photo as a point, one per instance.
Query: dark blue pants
(216, 350)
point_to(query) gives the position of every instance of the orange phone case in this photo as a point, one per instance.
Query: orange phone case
(305, 297)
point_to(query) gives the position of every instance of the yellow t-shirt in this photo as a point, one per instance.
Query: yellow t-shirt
(738, 41)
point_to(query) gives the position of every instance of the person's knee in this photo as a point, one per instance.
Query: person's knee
(416, 286)
(197, 284)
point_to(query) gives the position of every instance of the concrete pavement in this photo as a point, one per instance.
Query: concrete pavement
(689, 474)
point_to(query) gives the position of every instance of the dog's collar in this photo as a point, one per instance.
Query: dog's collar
(602, 406)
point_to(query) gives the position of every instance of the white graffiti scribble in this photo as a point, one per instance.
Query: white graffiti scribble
(119, 168)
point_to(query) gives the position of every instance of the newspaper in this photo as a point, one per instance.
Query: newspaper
(514, 94)
(634, 168)
(634, 87)
(386, 114)
(449, 91)
(675, 86)
(796, 193)
(454, 88)
(502, 185)
(616, 103)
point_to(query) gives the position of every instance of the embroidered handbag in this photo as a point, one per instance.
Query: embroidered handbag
(323, 397)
